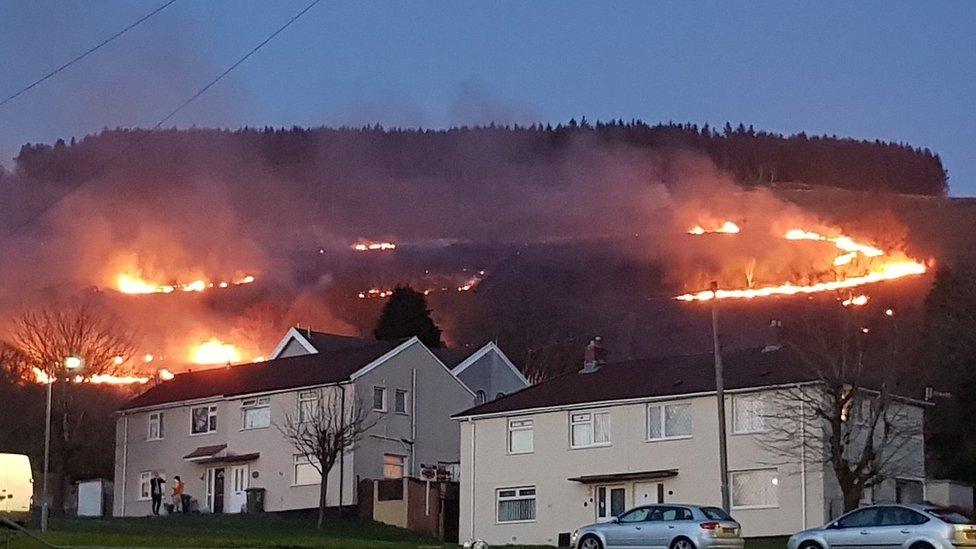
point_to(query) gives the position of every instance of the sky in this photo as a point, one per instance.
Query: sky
(897, 71)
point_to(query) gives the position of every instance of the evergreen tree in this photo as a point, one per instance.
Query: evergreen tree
(406, 315)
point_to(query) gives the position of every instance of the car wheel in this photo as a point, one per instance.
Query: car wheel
(810, 545)
(921, 545)
(590, 542)
(682, 543)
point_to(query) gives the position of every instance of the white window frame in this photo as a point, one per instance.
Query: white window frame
(144, 478)
(736, 400)
(396, 401)
(402, 465)
(302, 460)
(577, 418)
(519, 496)
(775, 481)
(383, 399)
(155, 420)
(311, 399)
(258, 403)
(211, 414)
(662, 419)
(516, 425)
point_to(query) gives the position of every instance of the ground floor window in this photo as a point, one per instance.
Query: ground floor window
(516, 504)
(144, 484)
(393, 466)
(756, 488)
(305, 471)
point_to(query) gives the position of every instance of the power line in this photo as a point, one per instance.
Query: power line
(86, 53)
(74, 187)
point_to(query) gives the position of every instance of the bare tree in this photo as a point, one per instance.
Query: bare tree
(39, 341)
(323, 429)
(852, 413)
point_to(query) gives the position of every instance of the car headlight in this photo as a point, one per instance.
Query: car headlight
(574, 537)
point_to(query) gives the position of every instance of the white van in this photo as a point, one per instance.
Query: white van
(16, 487)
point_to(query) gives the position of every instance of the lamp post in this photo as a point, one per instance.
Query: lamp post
(723, 452)
(72, 362)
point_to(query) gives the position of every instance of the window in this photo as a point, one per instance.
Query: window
(392, 466)
(668, 513)
(748, 414)
(668, 421)
(870, 516)
(400, 401)
(715, 513)
(481, 397)
(909, 491)
(144, 478)
(948, 515)
(256, 413)
(306, 471)
(155, 426)
(589, 429)
(203, 419)
(635, 515)
(308, 406)
(516, 504)
(901, 516)
(520, 436)
(755, 488)
(379, 399)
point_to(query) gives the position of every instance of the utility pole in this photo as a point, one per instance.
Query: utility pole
(47, 452)
(723, 451)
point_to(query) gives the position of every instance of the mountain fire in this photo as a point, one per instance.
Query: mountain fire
(134, 284)
(726, 227)
(215, 351)
(370, 246)
(858, 264)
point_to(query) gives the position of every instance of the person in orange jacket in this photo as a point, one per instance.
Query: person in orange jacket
(178, 495)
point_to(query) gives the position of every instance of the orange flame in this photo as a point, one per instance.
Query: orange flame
(370, 246)
(42, 377)
(214, 351)
(856, 301)
(727, 227)
(134, 283)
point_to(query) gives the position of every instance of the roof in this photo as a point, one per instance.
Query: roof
(453, 356)
(620, 477)
(656, 377)
(280, 373)
(206, 451)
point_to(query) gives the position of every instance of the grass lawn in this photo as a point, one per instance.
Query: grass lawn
(207, 531)
(198, 531)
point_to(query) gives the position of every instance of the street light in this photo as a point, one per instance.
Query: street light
(71, 362)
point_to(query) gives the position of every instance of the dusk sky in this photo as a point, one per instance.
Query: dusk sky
(877, 70)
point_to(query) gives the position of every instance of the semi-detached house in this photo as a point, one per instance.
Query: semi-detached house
(585, 446)
(216, 428)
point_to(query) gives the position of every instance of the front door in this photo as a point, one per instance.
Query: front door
(611, 501)
(215, 490)
(237, 499)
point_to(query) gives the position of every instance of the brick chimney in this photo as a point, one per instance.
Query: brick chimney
(775, 336)
(594, 357)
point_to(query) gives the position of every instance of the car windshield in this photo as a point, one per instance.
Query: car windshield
(950, 516)
(715, 513)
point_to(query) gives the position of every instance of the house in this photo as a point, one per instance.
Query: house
(216, 428)
(585, 446)
(487, 371)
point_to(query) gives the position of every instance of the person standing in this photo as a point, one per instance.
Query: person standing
(178, 495)
(156, 492)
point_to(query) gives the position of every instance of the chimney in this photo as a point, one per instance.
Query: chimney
(775, 336)
(594, 357)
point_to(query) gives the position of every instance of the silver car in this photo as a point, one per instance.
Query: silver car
(891, 526)
(667, 526)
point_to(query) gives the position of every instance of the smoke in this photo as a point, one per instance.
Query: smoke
(287, 207)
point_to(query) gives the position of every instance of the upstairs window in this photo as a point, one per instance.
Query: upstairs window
(589, 429)
(203, 419)
(308, 406)
(256, 413)
(520, 436)
(400, 401)
(155, 430)
(668, 421)
(379, 399)
(748, 414)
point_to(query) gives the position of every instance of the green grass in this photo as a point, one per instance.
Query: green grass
(207, 531)
(200, 531)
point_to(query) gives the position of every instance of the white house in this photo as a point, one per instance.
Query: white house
(216, 428)
(583, 447)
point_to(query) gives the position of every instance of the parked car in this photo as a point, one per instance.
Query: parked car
(891, 526)
(668, 526)
(16, 487)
